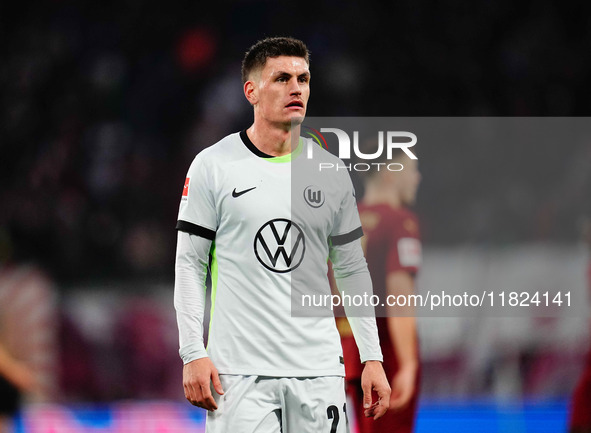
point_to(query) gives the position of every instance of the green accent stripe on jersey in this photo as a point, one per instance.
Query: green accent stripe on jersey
(214, 287)
(289, 156)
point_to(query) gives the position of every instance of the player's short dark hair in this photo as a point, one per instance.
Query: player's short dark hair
(257, 55)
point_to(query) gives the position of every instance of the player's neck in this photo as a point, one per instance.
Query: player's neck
(272, 140)
(376, 196)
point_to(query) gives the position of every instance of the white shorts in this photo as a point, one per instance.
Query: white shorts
(260, 404)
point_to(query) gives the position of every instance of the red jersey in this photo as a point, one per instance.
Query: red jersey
(391, 243)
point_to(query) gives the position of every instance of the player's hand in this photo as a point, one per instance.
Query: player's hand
(198, 376)
(373, 378)
(403, 387)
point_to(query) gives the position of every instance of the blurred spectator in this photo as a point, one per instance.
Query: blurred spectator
(28, 351)
(79, 380)
(392, 249)
(146, 344)
(580, 415)
(15, 378)
(118, 344)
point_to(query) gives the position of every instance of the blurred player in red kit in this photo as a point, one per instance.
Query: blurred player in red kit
(580, 416)
(393, 252)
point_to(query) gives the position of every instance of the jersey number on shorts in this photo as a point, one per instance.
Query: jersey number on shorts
(333, 413)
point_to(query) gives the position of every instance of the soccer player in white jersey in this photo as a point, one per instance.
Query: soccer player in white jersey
(265, 370)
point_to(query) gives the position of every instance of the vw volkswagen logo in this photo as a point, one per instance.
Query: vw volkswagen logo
(279, 245)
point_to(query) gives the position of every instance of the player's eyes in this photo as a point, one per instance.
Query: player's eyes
(285, 79)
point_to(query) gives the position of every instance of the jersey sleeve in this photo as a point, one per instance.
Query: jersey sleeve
(405, 246)
(347, 227)
(352, 279)
(192, 258)
(197, 211)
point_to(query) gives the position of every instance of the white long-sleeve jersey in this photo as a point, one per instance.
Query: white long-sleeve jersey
(264, 228)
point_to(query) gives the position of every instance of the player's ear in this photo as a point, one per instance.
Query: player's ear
(250, 92)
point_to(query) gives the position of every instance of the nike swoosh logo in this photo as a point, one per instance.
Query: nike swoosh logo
(238, 194)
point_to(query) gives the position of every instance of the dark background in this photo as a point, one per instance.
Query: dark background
(104, 105)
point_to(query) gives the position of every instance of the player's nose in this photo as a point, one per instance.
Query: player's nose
(295, 88)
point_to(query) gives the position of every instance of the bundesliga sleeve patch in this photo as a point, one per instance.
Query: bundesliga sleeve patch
(186, 189)
(409, 252)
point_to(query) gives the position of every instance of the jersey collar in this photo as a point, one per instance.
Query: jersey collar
(284, 158)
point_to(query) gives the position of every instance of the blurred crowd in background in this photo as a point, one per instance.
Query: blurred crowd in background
(104, 105)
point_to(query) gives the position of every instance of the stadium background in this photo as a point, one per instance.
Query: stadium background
(103, 107)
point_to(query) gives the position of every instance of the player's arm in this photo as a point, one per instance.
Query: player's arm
(192, 257)
(352, 278)
(402, 330)
(16, 372)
